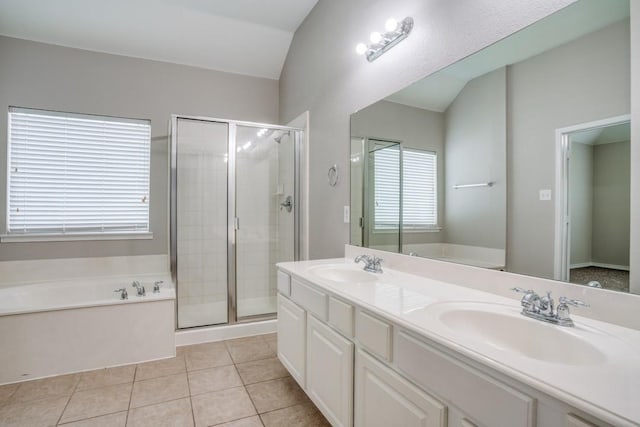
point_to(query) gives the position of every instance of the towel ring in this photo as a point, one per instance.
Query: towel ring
(333, 175)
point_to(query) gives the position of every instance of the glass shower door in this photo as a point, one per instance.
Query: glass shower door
(264, 215)
(200, 153)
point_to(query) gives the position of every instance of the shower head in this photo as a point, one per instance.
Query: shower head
(278, 138)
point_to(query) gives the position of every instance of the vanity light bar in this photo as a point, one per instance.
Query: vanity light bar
(380, 43)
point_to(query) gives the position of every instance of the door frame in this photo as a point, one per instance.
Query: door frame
(562, 232)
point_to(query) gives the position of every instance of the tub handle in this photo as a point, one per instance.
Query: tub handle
(123, 293)
(156, 286)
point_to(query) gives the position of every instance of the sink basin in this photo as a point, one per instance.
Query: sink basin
(504, 328)
(344, 273)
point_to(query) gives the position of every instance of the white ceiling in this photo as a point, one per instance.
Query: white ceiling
(249, 37)
(603, 135)
(437, 91)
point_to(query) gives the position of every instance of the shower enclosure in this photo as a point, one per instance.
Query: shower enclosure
(233, 217)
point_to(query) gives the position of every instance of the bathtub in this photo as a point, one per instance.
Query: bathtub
(64, 326)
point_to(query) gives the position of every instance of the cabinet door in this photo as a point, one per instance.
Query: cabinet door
(291, 338)
(384, 398)
(330, 372)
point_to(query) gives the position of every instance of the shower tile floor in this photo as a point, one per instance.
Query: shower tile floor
(615, 280)
(235, 383)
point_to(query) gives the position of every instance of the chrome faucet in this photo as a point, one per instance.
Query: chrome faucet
(156, 286)
(123, 293)
(372, 264)
(141, 291)
(543, 308)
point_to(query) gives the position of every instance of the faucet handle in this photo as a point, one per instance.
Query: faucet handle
(573, 302)
(156, 286)
(123, 293)
(135, 284)
(522, 291)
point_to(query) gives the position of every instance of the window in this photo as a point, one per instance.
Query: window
(76, 174)
(419, 188)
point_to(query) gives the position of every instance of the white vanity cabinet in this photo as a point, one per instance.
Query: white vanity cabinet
(384, 398)
(330, 372)
(363, 369)
(292, 333)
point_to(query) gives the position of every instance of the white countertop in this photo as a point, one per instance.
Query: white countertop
(608, 388)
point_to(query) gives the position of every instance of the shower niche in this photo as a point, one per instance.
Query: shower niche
(233, 217)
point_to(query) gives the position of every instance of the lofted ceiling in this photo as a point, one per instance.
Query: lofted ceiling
(249, 37)
(437, 91)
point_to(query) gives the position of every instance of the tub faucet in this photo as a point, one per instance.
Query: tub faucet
(141, 291)
(156, 286)
(123, 293)
(371, 264)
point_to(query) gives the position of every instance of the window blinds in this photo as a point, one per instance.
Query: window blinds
(74, 173)
(419, 188)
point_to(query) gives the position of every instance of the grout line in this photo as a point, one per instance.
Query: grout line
(75, 388)
(135, 372)
(91, 418)
(193, 413)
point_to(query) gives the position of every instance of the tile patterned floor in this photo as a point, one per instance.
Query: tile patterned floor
(235, 383)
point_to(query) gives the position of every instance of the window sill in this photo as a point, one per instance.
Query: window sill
(409, 230)
(24, 238)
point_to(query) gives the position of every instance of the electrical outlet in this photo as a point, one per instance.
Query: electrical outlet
(545, 195)
(347, 214)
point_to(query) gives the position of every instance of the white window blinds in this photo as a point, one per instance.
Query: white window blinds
(419, 188)
(74, 173)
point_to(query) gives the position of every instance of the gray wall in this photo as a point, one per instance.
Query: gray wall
(611, 169)
(634, 249)
(44, 76)
(581, 81)
(581, 203)
(415, 128)
(322, 74)
(475, 151)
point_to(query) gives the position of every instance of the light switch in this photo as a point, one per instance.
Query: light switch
(545, 194)
(347, 215)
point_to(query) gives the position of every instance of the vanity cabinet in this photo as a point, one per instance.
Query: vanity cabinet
(363, 369)
(384, 398)
(292, 333)
(330, 372)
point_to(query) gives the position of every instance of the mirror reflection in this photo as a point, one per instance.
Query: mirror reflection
(515, 158)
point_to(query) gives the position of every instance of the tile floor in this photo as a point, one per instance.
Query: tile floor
(235, 383)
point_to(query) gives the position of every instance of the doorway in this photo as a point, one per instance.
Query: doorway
(593, 204)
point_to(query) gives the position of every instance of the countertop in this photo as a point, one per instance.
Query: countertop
(607, 388)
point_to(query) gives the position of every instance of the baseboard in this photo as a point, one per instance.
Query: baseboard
(601, 265)
(224, 332)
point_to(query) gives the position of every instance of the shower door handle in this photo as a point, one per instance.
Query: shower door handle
(287, 204)
(236, 223)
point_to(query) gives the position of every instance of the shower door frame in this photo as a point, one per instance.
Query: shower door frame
(232, 223)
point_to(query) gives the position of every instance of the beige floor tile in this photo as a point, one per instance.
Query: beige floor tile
(176, 413)
(276, 394)
(304, 415)
(222, 406)
(6, 391)
(158, 390)
(272, 341)
(207, 357)
(244, 422)
(213, 379)
(62, 385)
(160, 368)
(112, 420)
(42, 412)
(248, 349)
(105, 377)
(97, 401)
(261, 370)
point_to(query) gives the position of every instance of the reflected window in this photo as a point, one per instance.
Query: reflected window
(419, 198)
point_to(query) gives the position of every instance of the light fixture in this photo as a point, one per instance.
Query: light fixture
(380, 43)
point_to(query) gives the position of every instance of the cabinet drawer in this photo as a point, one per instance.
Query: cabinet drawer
(374, 334)
(473, 392)
(310, 298)
(341, 316)
(284, 283)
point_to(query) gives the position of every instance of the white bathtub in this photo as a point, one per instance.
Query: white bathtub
(59, 327)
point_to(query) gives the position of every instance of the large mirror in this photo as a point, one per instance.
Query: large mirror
(515, 158)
